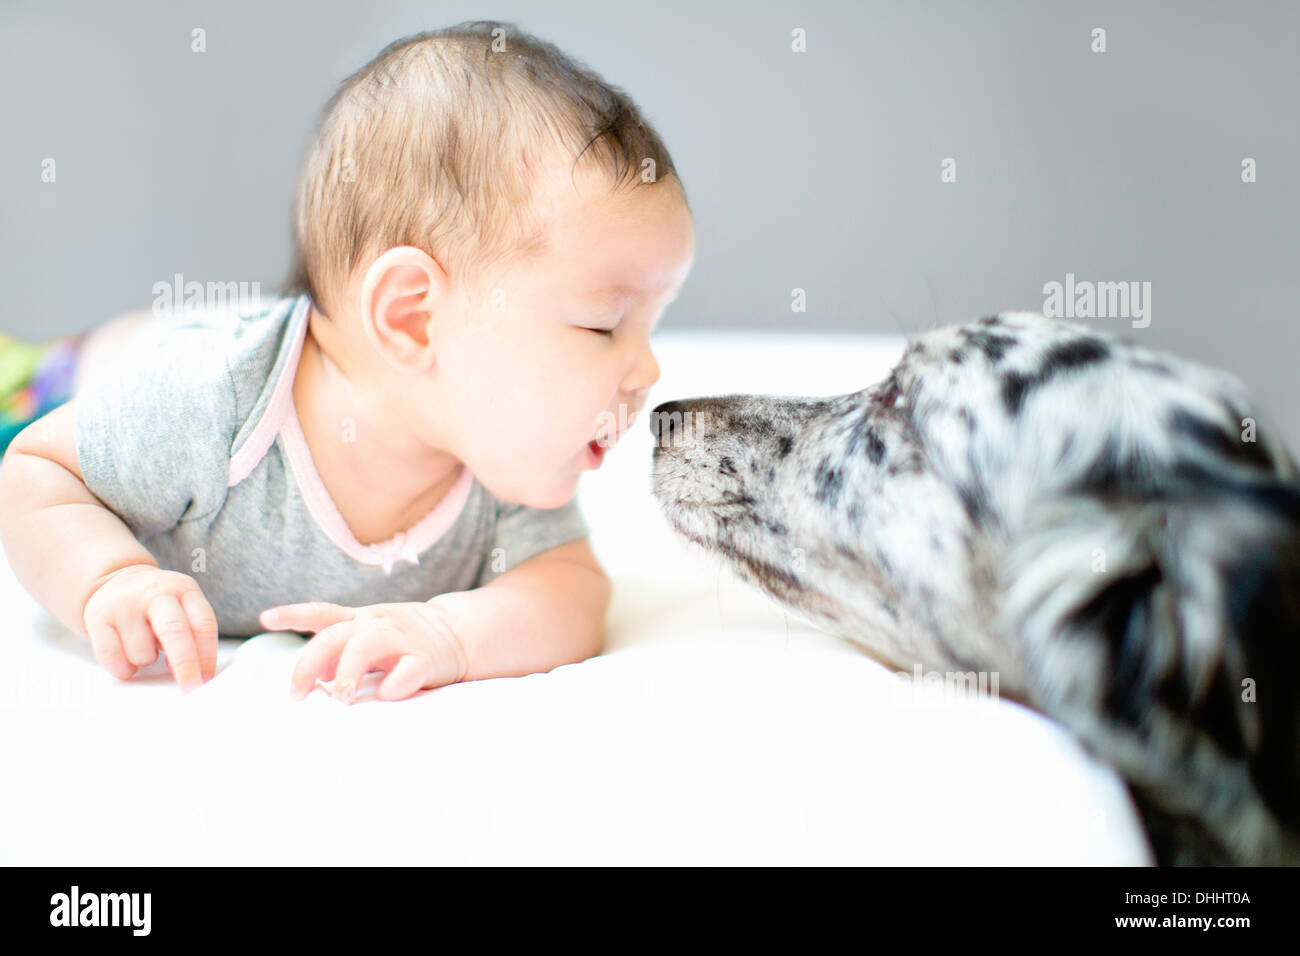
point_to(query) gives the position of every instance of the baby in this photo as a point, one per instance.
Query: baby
(487, 235)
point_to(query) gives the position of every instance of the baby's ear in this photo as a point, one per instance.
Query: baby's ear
(403, 290)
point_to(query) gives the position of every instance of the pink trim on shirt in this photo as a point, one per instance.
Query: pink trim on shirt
(281, 418)
(406, 545)
(250, 453)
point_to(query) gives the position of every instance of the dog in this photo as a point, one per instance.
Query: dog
(1112, 531)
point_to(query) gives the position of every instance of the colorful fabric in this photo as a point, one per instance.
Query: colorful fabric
(35, 378)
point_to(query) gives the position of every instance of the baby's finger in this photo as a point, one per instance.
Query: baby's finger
(203, 622)
(172, 627)
(377, 649)
(309, 616)
(406, 678)
(107, 645)
(138, 642)
(320, 657)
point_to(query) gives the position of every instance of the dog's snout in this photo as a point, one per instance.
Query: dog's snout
(666, 421)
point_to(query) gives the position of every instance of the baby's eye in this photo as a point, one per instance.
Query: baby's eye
(598, 331)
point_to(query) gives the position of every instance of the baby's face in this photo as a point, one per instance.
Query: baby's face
(530, 383)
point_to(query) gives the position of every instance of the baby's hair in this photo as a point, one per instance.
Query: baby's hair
(436, 142)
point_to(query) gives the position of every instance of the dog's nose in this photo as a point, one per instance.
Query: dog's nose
(666, 421)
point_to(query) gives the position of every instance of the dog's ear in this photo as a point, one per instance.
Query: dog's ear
(1165, 631)
(1260, 564)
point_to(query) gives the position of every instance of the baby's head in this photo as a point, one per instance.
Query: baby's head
(489, 233)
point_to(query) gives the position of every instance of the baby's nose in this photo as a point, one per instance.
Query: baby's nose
(650, 374)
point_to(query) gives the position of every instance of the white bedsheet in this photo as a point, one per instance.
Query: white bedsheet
(715, 728)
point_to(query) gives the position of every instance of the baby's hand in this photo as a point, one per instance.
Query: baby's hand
(411, 642)
(141, 608)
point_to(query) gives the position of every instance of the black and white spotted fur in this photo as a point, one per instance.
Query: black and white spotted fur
(1056, 504)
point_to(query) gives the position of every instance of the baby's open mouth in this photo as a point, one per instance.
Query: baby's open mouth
(609, 438)
(604, 441)
(595, 453)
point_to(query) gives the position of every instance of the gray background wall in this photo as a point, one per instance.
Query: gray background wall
(817, 170)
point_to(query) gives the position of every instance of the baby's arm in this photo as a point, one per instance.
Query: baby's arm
(547, 611)
(70, 551)
(61, 541)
